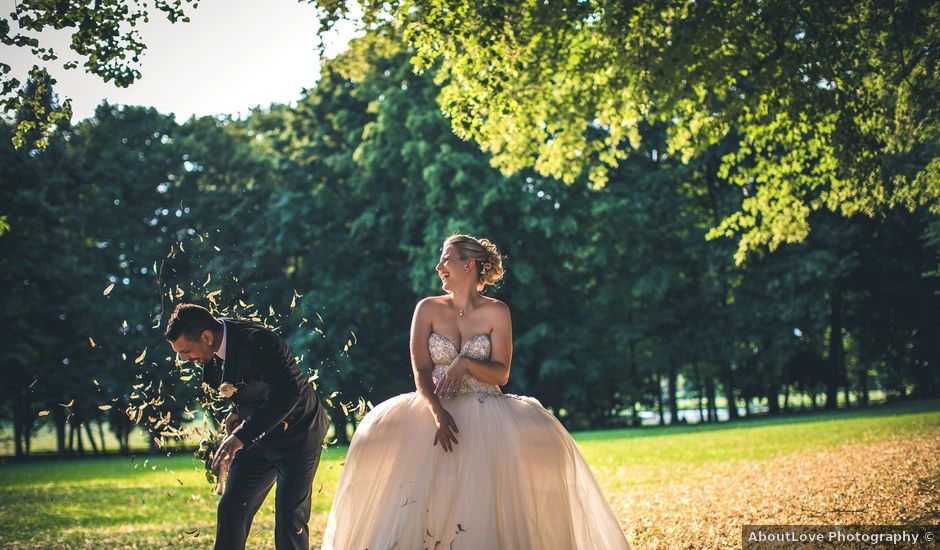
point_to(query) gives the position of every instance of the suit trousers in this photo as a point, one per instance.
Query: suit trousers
(254, 470)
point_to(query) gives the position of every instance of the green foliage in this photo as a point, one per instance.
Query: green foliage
(104, 38)
(326, 219)
(830, 105)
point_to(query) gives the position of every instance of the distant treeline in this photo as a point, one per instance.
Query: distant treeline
(326, 220)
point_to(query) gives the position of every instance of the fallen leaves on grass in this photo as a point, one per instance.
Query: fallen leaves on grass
(889, 483)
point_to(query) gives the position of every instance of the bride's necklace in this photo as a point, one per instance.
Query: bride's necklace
(459, 311)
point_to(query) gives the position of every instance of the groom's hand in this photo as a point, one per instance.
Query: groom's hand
(230, 421)
(223, 458)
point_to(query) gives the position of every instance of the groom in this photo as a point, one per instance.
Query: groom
(276, 430)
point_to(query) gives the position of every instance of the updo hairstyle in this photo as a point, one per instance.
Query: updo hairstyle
(484, 252)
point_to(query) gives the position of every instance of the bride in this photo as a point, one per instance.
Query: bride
(458, 464)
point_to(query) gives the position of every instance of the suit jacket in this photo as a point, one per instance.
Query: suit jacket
(280, 409)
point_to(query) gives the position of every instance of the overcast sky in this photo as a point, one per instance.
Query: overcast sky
(231, 56)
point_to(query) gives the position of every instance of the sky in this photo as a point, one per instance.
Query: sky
(233, 55)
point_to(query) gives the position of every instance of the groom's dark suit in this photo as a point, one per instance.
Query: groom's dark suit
(283, 430)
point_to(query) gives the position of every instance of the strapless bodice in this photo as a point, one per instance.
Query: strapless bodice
(443, 353)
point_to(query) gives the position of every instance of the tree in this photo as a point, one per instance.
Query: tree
(103, 37)
(834, 104)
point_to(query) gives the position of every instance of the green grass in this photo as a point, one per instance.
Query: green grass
(152, 502)
(761, 437)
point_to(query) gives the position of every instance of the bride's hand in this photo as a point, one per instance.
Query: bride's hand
(446, 429)
(450, 383)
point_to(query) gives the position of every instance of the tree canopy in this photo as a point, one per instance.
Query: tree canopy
(104, 40)
(828, 104)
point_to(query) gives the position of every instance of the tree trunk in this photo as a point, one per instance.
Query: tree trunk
(836, 350)
(701, 392)
(101, 433)
(926, 356)
(58, 414)
(728, 386)
(71, 439)
(18, 426)
(635, 381)
(659, 401)
(863, 396)
(121, 427)
(673, 405)
(17, 436)
(710, 392)
(773, 403)
(78, 439)
(91, 438)
(786, 398)
(21, 424)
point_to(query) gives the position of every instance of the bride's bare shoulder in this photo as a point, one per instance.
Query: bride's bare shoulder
(492, 306)
(431, 302)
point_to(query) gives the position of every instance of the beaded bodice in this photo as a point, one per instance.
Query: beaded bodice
(443, 353)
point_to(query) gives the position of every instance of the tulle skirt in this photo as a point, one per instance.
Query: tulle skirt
(515, 480)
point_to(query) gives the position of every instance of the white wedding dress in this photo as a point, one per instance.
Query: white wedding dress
(515, 479)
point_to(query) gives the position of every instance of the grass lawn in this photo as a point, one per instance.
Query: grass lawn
(670, 487)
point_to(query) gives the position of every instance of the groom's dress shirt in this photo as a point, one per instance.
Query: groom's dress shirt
(221, 352)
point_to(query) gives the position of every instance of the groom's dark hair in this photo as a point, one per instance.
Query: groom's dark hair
(190, 320)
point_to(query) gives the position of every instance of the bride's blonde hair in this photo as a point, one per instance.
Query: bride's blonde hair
(484, 252)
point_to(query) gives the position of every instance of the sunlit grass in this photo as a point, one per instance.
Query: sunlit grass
(758, 438)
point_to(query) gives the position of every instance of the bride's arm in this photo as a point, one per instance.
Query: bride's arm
(423, 368)
(421, 363)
